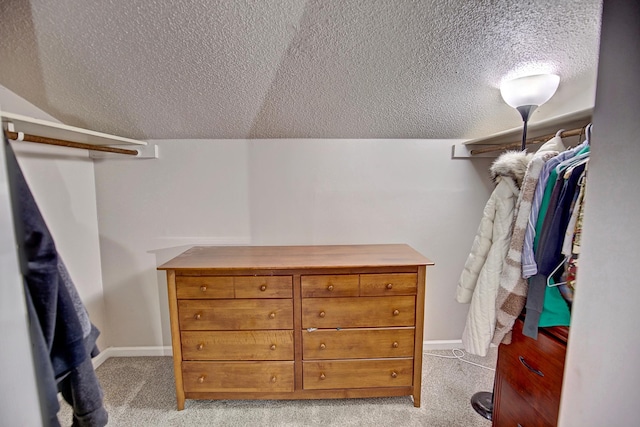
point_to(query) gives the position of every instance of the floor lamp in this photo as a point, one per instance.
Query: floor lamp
(525, 94)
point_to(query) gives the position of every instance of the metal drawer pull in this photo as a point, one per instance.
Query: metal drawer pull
(526, 365)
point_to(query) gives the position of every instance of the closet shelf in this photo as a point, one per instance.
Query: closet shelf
(43, 130)
(493, 145)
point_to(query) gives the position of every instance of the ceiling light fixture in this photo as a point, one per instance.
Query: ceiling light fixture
(525, 94)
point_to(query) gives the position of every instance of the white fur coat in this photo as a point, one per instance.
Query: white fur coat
(480, 278)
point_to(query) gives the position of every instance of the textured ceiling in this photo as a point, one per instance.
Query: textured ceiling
(154, 69)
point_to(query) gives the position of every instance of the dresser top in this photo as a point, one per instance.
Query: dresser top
(295, 257)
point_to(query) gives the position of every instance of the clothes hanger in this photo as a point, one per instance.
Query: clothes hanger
(587, 131)
(555, 270)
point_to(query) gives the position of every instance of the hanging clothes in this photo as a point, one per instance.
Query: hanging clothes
(545, 305)
(512, 291)
(478, 284)
(63, 338)
(571, 248)
(529, 265)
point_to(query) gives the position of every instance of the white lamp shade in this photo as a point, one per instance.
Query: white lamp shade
(529, 90)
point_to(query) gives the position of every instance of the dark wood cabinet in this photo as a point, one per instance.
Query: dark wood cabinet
(529, 378)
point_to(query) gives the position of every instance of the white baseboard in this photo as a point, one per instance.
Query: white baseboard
(131, 352)
(441, 345)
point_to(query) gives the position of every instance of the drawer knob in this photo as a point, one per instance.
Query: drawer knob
(272, 315)
(263, 288)
(273, 346)
(394, 374)
(201, 379)
(322, 314)
(198, 316)
(526, 365)
(322, 376)
(396, 312)
(203, 288)
(330, 287)
(200, 346)
(273, 379)
(322, 346)
(389, 285)
(395, 344)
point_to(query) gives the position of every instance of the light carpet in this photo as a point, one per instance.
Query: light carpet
(139, 391)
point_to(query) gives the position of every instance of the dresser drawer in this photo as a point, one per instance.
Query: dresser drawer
(534, 369)
(202, 287)
(263, 286)
(357, 373)
(388, 284)
(343, 285)
(358, 312)
(237, 345)
(358, 343)
(518, 412)
(238, 314)
(237, 376)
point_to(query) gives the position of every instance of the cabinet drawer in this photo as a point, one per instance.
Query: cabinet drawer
(534, 369)
(344, 285)
(358, 312)
(516, 411)
(237, 376)
(238, 314)
(357, 373)
(388, 284)
(202, 287)
(240, 345)
(263, 286)
(358, 343)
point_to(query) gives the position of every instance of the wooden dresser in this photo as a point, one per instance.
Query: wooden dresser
(297, 322)
(529, 378)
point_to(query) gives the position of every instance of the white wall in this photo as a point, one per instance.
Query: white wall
(149, 210)
(269, 192)
(63, 184)
(374, 191)
(602, 377)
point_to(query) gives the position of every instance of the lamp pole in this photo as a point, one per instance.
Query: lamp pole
(525, 111)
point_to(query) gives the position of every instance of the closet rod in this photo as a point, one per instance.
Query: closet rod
(61, 142)
(537, 140)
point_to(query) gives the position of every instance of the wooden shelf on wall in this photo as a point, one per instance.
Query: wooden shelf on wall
(77, 137)
(510, 139)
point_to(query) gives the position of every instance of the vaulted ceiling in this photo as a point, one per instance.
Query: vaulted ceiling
(165, 69)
